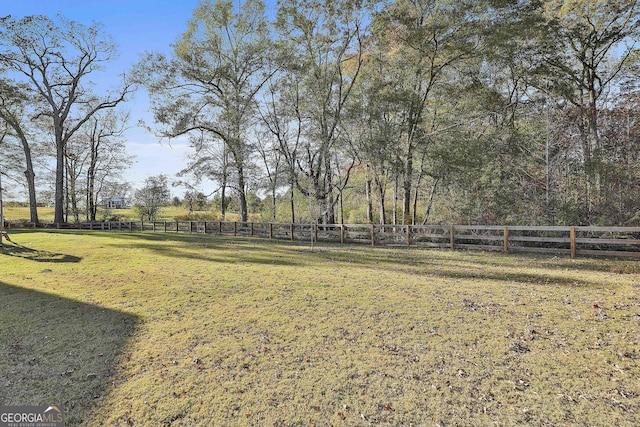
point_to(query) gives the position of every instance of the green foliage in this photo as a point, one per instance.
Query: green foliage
(152, 197)
(494, 111)
(195, 200)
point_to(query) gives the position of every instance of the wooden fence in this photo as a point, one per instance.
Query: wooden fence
(572, 241)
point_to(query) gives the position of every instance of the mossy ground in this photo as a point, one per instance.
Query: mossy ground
(190, 330)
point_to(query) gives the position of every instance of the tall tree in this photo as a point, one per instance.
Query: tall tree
(107, 155)
(55, 57)
(95, 153)
(284, 125)
(272, 165)
(587, 46)
(421, 41)
(210, 85)
(322, 44)
(14, 99)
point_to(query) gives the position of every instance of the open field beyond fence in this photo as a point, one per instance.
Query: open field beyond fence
(178, 329)
(564, 240)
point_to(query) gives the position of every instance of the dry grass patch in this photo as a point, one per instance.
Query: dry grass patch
(251, 332)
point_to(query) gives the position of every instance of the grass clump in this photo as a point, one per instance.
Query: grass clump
(202, 330)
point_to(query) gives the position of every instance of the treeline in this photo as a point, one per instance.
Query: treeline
(407, 111)
(410, 111)
(53, 121)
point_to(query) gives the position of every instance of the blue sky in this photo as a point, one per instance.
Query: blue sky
(136, 26)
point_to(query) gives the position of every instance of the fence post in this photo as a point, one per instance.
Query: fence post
(291, 231)
(130, 225)
(177, 226)
(251, 229)
(408, 235)
(271, 230)
(315, 232)
(341, 233)
(505, 239)
(452, 238)
(572, 238)
(235, 228)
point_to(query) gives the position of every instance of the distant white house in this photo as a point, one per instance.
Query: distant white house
(114, 203)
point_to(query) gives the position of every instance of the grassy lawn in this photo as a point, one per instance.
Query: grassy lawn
(184, 330)
(168, 213)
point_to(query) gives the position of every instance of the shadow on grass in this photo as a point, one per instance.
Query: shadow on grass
(186, 246)
(54, 350)
(251, 250)
(293, 253)
(465, 265)
(20, 251)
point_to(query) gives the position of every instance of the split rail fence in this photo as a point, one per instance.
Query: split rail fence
(571, 241)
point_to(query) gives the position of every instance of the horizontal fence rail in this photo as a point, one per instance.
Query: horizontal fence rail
(572, 241)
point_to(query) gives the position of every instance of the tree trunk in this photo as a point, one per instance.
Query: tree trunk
(406, 187)
(329, 211)
(381, 199)
(242, 196)
(291, 200)
(29, 174)
(31, 183)
(406, 203)
(91, 179)
(414, 215)
(367, 191)
(395, 202)
(431, 197)
(58, 216)
(274, 204)
(91, 200)
(223, 187)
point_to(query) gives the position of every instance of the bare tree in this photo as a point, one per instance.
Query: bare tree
(107, 155)
(586, 48)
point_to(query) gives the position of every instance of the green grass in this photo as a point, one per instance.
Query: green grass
(184, 330)
(17, 213)
(45, 214)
